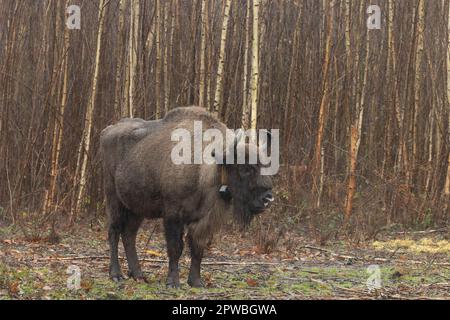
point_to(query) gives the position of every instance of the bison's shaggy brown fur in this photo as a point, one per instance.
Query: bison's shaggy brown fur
(141, 182)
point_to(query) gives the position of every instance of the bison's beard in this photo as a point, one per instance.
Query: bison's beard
(242, 213)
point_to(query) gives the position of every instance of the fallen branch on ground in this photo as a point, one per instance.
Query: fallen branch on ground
(424, 231)
(249, 263)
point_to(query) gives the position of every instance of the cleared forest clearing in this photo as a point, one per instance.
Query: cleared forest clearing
(414, 266)
(358, 89)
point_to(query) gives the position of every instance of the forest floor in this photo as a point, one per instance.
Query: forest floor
(412, 265)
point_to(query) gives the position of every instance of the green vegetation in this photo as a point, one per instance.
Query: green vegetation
(276, 283)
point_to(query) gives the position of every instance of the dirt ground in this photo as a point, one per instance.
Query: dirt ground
(413, 265)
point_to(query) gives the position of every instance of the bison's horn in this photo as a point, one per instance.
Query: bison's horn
(268, 141)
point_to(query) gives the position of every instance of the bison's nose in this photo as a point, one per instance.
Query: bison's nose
(268, 198)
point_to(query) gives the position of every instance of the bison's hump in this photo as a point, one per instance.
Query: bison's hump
(125, 127)
(192, 112)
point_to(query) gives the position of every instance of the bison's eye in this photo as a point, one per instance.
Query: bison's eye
(246, 171)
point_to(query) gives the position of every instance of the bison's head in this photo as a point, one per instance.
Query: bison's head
(251, 191)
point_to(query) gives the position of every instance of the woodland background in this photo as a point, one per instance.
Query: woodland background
(364, 114)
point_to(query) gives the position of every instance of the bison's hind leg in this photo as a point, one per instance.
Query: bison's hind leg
(129, 234)
(197, 244)
(114, 230)
(116, 221)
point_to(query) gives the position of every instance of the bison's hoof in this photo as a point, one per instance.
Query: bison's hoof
(196, 283)
(173, 284)
(138, 277)
(117, 277)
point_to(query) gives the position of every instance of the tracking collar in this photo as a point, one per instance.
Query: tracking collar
(224, 190)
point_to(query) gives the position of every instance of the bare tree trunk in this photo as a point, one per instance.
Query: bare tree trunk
(323, 110)
(223, 40)
(86, 138)
(118, 97)
(50, 205)
(255, 66)
(169, 30)
(158, 59)
(210, 50)
(204, 30)
(133, 53)
(147, 56)
(447, 180)
(245, 120)
(390, 84)
(355, 133)
(430, 150)
(417, 85)
(292, 84)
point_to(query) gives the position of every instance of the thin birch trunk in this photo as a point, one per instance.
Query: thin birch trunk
(324, 104)
(133, 54)
(355, 134)
(447, 180)
(417, 84)
(245, 121)
(169, 31)
(118, 98)
(223, 40)
(51, 206)
(292, 84)
(255, 66)
(202, 82)
(389, 83)
(86, 138)
(158, 59)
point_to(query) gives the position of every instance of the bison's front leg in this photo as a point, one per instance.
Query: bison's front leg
(197, 249)
(115, 221)
(174, 237)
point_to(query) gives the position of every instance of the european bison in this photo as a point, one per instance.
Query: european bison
(141, 181)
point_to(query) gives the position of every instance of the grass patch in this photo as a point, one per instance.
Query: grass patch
(424, 245)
